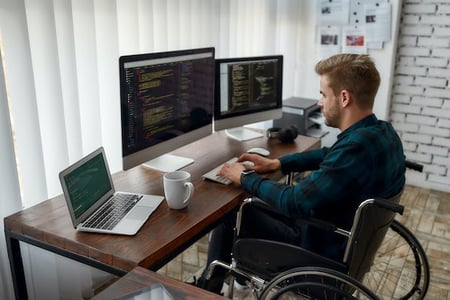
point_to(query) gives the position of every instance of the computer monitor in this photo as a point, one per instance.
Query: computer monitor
(166, 102)
(248, 90)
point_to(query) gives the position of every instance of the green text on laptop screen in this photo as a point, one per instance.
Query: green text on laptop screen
(87, 184)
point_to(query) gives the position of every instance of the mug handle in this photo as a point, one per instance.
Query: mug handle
(189, 191)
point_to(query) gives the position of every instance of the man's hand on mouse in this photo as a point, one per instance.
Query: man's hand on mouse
(261, 164)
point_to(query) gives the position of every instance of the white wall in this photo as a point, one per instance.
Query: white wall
(421, 94)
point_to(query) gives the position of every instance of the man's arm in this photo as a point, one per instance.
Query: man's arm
(305, 161)
(340, 174)
(296, 162)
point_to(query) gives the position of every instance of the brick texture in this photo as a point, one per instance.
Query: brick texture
(420, 110)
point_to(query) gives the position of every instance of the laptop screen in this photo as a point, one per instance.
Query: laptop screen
(87, 184)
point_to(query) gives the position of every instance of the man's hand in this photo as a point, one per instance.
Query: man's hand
(232, 171)
(261, 164)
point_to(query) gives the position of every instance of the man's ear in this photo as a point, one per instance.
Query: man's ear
(346, 98)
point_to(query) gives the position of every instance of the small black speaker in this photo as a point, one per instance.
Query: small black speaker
(285, 135)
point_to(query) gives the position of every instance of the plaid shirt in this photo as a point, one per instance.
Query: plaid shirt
(366, 161)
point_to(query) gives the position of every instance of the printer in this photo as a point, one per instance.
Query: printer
(304, 114)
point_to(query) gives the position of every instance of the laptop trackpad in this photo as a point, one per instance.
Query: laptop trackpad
(139, 213)
(133, 221)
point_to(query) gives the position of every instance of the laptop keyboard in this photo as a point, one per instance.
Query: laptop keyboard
(112, 212)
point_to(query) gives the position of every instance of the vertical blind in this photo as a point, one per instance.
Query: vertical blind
(59, 84)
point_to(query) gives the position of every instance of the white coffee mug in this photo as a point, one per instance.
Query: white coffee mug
(178, 189)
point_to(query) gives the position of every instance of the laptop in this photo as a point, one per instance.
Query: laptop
(93, 203)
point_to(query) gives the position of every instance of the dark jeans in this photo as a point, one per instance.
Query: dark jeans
(256, 223)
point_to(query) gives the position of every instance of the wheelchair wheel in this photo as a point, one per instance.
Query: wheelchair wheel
(314, 283)
(400, 269)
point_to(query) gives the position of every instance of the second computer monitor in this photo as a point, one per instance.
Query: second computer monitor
(247, 90)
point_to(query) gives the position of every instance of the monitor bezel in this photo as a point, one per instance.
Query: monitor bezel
(154, 151)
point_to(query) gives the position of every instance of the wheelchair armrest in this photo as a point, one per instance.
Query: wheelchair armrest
(259, 204)
(387, 204)
(413, 166)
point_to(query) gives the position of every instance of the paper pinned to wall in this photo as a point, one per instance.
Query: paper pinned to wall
(329, 40)
(353, 40)
(332, 12)
(357, 9)
(365, 25)
(378, 22)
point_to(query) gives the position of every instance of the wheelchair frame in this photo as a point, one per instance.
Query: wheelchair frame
(384, 273)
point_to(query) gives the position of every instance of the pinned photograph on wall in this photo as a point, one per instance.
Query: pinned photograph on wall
(353, 40)
(329, 39)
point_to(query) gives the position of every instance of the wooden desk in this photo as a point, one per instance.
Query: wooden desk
(166, 234)
(139, 278)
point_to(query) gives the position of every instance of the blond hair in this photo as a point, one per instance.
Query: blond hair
(353, 72)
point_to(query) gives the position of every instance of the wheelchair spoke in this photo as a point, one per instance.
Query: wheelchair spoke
(400, 269)
(315, 283)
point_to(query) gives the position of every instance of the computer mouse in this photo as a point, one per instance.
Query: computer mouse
(248, 164)
(260, 151)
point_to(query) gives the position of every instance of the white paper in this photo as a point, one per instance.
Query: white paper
(360, 25)
(374, 45)
(353, 40)
(333, 12)
(329, 38)
(357, 8)
(356, 12)
(378, 22)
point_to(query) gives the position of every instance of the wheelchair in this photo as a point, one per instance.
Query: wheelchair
(382, 260)
(400, 269)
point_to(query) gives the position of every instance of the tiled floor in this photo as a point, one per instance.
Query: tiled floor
(427, 215)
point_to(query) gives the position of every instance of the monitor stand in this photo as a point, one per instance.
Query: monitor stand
(243, 134)
(168, 163)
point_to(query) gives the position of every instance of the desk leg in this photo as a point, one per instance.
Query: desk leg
(16, 264)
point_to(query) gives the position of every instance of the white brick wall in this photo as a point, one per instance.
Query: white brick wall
(420, 106)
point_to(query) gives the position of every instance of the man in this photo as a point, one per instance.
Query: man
(366, 161)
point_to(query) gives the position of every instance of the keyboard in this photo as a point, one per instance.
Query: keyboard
(112, 212)
(212, 175)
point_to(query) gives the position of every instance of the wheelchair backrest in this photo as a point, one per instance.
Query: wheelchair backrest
(372, 220)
